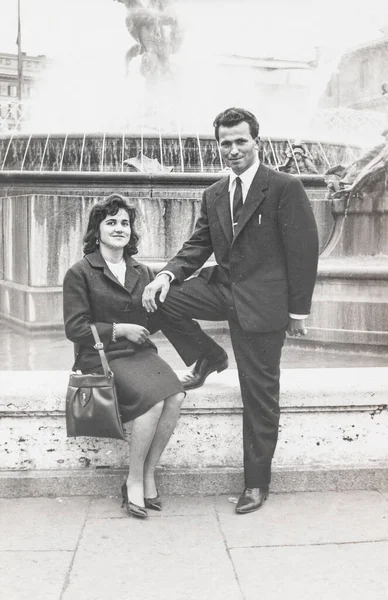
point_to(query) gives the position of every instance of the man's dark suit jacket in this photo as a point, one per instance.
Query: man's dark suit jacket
(270, 262)
(92, 294)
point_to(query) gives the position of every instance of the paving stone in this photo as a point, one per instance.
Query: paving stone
(41, 523)
(175, 558)
(33, 575)
(110, 508)
(328, 572)
(329, 546)
(307, 518)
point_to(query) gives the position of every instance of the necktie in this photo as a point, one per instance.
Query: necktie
(237, 202)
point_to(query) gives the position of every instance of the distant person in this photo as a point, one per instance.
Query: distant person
(105, 288)
(298, 162)
(261, 228)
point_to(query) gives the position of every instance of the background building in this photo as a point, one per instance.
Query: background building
(33, 67)
(361, 79)
(354, 104)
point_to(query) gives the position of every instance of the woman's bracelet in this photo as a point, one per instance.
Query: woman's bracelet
(114, 338)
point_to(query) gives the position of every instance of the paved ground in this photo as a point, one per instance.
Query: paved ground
(305, 546)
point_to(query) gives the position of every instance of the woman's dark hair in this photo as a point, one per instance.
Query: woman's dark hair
(233, 116)
(110, 206)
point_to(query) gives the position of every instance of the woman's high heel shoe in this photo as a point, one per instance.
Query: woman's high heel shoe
(132, 509)
(153, 503)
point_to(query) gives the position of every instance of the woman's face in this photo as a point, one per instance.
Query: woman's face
(115, 230)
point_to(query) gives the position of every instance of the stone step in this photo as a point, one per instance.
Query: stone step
(333, 435)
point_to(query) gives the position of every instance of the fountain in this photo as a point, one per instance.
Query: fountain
(186, 153)
(49, 181)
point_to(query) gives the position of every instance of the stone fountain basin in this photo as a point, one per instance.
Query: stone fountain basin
(44, 216)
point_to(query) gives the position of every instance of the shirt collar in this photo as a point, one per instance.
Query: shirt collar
(246, 177)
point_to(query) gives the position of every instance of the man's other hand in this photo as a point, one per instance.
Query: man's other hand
(160, 284)
(296, 327)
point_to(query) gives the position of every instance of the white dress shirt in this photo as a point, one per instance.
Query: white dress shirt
(118, 270)
(246, 182)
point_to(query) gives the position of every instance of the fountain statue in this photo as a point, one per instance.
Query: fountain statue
(359, 176)
(155, 28)
(359, 198)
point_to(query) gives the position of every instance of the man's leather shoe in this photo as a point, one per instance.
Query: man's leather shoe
(251, 499)
(202, 368)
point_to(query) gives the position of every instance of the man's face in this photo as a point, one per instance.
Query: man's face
(238, 147)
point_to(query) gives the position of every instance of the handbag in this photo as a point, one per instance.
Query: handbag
(91, 401)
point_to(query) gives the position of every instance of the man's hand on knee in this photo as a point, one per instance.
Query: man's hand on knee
(160, 284)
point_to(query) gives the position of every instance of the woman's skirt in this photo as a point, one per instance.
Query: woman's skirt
(142, 380)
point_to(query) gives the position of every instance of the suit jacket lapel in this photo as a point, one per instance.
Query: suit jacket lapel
(223, 211)
(131, 274)
(254, 198)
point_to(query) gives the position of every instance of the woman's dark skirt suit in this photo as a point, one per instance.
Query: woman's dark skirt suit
(92, 294)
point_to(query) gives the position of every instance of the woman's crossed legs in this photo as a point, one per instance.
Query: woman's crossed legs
(149, 436)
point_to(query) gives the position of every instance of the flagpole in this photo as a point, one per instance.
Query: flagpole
(20, 66)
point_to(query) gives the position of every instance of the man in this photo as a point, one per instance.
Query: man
(261, 228)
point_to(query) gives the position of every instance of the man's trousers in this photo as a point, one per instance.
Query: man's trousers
(257, 357)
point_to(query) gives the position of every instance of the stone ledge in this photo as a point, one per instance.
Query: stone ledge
(332, 421)
(27, 392)
(352, 267)
(209, 481)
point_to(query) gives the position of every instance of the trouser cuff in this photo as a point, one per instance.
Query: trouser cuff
(257, 476)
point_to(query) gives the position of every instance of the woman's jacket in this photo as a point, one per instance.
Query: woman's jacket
(92, 294)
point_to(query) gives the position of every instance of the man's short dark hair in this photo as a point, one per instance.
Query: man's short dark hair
(233, 116)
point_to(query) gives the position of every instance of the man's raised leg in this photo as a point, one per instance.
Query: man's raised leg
(195, 298)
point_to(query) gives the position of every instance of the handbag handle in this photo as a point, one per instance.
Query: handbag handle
(100, 347)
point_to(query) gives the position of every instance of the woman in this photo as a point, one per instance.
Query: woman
(105, 288)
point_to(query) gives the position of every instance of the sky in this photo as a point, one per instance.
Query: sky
(269, 27)
(87, 40)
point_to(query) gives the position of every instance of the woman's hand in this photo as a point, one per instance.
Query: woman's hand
(134, 333)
